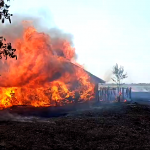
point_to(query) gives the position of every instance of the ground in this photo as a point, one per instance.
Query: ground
(113, 126)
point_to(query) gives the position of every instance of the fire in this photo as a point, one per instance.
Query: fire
(45, 73)
(7, 97)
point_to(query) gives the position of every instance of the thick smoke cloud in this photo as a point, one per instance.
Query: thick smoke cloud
(35, 64)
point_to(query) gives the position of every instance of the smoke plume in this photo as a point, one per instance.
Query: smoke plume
(108, 75)
(43, 54)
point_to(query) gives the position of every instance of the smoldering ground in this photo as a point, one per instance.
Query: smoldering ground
(78, 112)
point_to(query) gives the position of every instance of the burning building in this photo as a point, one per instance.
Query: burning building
(45, 74)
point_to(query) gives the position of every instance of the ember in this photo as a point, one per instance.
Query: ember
(45, 73)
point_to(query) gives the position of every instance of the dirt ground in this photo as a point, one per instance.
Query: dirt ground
(113, 126)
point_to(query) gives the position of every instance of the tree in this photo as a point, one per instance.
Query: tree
(4, 11)
(119, 75)
(5, 48)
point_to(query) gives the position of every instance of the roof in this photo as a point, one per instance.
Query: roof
(93, 78)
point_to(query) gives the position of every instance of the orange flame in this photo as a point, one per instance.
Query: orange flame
(45, 73)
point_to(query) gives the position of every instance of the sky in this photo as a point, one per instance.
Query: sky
(105, 32)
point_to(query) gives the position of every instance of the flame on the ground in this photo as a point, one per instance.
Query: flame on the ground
(125, 100)
(44, 74)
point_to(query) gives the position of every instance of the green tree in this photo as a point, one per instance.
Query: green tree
(4, 9)
(118, 76)
(5, 48)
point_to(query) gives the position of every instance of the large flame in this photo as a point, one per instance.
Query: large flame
(45, 73)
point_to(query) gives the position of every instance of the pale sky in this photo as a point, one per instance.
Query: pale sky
(105, 32)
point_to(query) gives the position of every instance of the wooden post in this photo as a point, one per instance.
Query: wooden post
(105, 94)
(96, 92)
(127, 92)
(122, 93)
(130, 93)
(108, 94)
(100, 93)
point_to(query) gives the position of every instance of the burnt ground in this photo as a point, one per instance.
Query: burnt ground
(113, 126)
